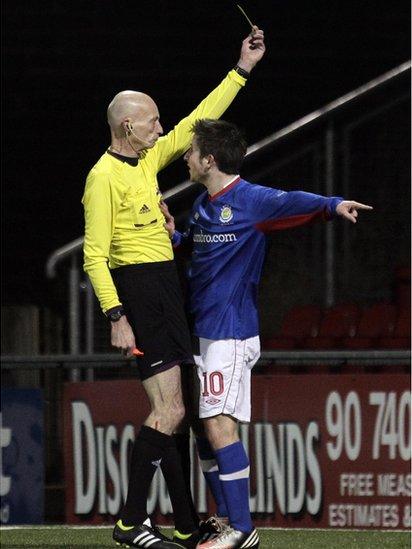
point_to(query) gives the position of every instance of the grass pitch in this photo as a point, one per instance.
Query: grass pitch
(91, 538)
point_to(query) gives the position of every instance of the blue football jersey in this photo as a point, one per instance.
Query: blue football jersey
(227, 231)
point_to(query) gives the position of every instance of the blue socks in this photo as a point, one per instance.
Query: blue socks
(234, 479)
(227, 474)
(211, 473)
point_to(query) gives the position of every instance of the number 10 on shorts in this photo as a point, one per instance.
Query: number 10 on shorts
(213, 384)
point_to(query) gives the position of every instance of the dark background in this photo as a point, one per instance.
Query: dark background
(63, 61)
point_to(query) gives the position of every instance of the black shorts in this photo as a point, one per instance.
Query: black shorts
(153, 303)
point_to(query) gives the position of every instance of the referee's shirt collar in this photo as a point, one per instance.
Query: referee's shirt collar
(127, 159)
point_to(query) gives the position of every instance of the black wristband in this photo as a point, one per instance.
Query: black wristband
(114, 314)
(242, 72)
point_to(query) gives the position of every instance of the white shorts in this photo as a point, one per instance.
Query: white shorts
(224, 369)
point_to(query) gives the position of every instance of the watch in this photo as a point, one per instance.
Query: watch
(242, 72)
(115, 314)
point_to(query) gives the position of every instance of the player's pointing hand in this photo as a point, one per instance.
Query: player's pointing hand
(349, 209)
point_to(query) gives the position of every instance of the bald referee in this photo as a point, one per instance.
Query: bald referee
(129, 259)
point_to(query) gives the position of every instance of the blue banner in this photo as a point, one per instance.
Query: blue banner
(21, 456)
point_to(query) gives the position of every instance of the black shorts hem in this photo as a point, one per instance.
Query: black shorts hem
(146, 373)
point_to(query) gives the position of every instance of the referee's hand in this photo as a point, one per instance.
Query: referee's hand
(122, 336)
(349, 209)
(253, 49)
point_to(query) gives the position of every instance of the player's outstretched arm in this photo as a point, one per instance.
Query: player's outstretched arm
(253, 49)
(349, 209)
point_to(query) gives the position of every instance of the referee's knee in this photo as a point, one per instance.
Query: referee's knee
(178, 413)
(168, 418)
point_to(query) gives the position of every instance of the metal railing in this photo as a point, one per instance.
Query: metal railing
(324, 114)
(76, 245)
(283, 358)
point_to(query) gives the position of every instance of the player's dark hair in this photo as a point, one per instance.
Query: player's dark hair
(224, 141)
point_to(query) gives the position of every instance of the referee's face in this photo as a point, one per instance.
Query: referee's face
(145, 124)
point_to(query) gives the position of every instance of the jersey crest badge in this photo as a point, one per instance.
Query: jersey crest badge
(226, 214)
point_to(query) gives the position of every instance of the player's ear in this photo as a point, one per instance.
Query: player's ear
(210, 159)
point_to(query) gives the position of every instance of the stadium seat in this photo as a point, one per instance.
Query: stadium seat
(376, 322)
(281, 343)
(401, 338)
(299, 323)
(403, 285)
(338, 322)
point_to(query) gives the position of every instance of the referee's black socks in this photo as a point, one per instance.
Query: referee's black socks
(148, 450)
(176, 470)
(151, 449)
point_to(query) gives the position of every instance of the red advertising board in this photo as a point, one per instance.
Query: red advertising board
(326, 451)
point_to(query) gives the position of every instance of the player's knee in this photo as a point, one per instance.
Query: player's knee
(212, 429)
(220, 432)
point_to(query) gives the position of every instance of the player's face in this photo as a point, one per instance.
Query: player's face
(197, 165)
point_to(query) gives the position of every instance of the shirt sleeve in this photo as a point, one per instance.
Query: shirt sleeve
(177, 141)
(98, 213)
(186, 238)
(275, 209)
(177, 239)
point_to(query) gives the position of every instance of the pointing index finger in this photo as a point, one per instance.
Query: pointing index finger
(362, 206)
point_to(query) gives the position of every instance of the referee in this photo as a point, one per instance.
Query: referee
(129, 259)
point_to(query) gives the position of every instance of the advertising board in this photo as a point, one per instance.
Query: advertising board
(22, 456)
(326, 451)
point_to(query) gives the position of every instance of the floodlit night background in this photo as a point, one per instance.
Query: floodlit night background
(334, 298)
(64, 61)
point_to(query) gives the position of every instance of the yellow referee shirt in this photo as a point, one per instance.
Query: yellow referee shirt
(123, 221)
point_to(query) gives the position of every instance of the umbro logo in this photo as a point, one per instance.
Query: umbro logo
(157, 462)
(213, 401)
(144, 209)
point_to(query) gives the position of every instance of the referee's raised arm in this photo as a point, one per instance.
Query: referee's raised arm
(177, 141)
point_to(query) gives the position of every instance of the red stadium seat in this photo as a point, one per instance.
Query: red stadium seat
(395, 343)
(338, 322)
(403, 285)
(274, 343)
(376, 322)
(319, 343)
(401, 338)
(298, 324)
